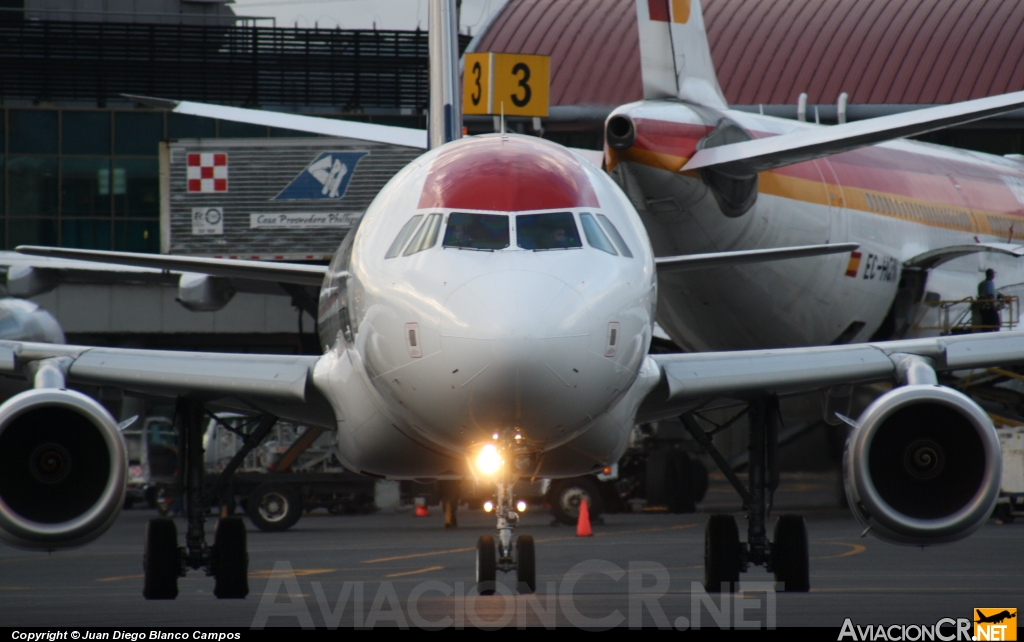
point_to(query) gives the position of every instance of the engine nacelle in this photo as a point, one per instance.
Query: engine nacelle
(62, 469)
(923, 466)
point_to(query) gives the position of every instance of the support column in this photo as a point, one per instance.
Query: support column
(762, 473)
(190, 416)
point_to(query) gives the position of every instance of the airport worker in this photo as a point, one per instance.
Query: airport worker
(988, 306)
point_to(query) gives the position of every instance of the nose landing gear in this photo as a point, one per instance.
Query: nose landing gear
(520, 559)
(493, 556)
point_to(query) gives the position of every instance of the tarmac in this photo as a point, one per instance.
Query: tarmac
(639, 569)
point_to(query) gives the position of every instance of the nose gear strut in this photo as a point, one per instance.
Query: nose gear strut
(515, 453)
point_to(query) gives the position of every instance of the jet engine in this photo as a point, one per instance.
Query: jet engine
(923, 466)
(62, 469)
(734, 192)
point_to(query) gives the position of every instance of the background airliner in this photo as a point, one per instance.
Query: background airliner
(491, 316)
(705, 178)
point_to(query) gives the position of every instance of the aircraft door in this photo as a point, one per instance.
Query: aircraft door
(837, 223)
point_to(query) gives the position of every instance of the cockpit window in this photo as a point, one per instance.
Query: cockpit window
(476, 231)
(616, 237)
(547, 232)
(403, 236)
(595, 236)
(426, 237)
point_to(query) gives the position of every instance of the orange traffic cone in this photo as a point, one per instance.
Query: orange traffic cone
(583, 523)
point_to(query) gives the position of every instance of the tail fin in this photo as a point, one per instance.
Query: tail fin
(674, 54)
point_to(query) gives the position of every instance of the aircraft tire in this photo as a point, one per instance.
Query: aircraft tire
(274, 507)
(231, 559)
(722, 554)
(526, 565)
(789, 554)
(566, 496)
(160, 561)
(486, 565)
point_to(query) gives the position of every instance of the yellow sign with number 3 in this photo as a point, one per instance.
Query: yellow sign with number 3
(520, 81)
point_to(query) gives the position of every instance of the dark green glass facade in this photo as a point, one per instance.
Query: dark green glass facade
(89, 178)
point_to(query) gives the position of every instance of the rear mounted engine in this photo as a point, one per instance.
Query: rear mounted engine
(735, 193)
(923, 466)
(620, 132)
(62, 469)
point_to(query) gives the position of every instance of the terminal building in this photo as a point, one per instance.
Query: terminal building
(80, 161)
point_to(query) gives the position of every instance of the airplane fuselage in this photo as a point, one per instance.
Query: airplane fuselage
(898, 200)
(484, 291)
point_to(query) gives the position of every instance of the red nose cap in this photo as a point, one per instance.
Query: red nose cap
(517, 174)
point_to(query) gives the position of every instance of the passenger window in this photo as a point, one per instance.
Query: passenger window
(486, 232)
(616, 237)
(595, 236)
(403, 236)
(547, 232)
(427, 236)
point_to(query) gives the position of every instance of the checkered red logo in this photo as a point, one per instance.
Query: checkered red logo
(208, 172)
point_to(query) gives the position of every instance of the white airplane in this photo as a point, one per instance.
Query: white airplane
(491, 316)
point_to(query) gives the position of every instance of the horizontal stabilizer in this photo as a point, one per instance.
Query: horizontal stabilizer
(719, 259)
(404, 136)
(750, 157)
(257, 270)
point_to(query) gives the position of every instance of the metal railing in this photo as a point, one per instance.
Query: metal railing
(232, 65)
(184, 17)
(963, 316)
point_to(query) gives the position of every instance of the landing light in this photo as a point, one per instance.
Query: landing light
(488, 507)
(488, 461)
(521, 506)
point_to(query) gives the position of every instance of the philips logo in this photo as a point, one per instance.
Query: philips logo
(327, 177)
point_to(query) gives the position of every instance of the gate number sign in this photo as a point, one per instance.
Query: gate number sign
(520, 81)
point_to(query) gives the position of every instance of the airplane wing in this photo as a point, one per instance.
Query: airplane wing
(301, 274)
(296, 273)
(278, 384)
(750, 157)
(694, 378)
(718, 259)
(404, 136)
(936, 257)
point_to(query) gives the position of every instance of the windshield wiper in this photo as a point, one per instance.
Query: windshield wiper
(467, 247)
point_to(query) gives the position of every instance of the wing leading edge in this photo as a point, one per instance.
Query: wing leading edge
(750, 157)
(296, 273)
(693, 378)
(279, 384)
(739, 257)
(403, 136)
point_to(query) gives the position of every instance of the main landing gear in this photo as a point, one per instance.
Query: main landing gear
(725, 556)
(228, 559)
(493, 556)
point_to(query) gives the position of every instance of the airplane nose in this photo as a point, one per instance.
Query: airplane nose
(516, 346)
